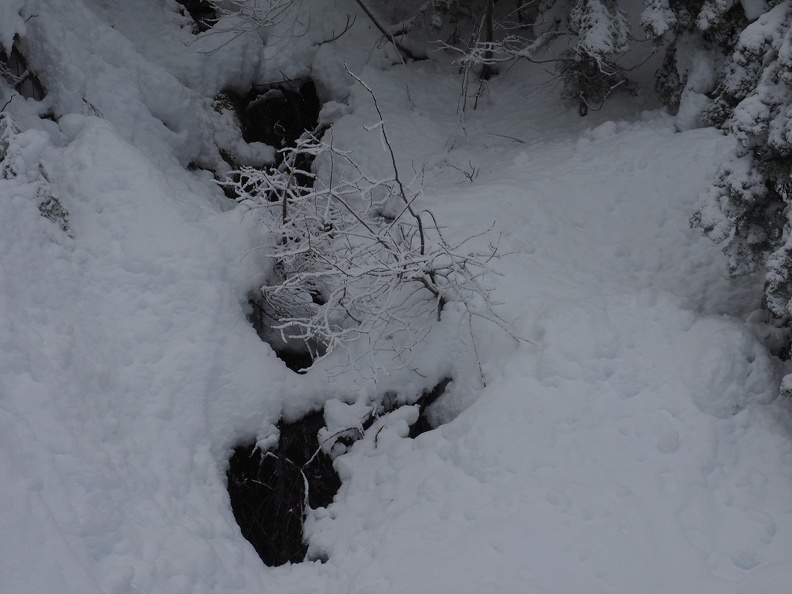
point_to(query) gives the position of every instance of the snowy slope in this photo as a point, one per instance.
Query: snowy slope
(632, 443)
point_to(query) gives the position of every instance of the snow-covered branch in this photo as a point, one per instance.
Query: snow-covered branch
(343, 268)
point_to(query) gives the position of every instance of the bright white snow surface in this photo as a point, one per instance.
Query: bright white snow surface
(631, 443)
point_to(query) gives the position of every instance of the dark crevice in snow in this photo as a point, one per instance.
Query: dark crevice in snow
(429, 397)
(295, 359)
(276, 114)
(271, 491)
(297, 354)
(15, 71)
(202, 12)
(279, 114)
(391, 402)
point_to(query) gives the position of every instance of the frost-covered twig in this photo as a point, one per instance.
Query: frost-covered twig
(505, 50)
(253, 14)
(403, 50)
(354, 256)
(248, 16)
(7, 103)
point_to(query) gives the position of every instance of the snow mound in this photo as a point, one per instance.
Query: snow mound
(730, 371)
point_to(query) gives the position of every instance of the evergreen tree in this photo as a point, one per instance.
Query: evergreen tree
(747, 207)
(698, 35)
(589, 69)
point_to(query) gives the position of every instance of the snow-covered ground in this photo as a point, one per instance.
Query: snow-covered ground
(631, 443)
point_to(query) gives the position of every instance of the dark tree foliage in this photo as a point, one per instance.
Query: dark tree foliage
(747, 208)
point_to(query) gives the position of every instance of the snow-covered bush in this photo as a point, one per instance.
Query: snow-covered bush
(355, 256)
(20, 163)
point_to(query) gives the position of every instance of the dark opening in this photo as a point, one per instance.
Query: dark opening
(15, 71)
(276, 114)
(429, 397)
(296, 354)
(279, 114)
(268, 490)
(296, 360)
(202, 13)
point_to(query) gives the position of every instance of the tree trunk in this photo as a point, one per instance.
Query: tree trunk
(489, 36)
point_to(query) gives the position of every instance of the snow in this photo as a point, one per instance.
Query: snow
(11, 22)
(632, 442)
(601, 27)
(657, 18)
(711, 12)
(697, 64)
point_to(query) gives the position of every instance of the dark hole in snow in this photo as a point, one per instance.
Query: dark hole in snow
(391, 402)
(202, 12)
(295, 359)
(279, 114)
(297, 354)
(268, 490)
(429, 397)
(15, 71)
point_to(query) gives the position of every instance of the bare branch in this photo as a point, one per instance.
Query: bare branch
(342, 271)
(404, 51)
